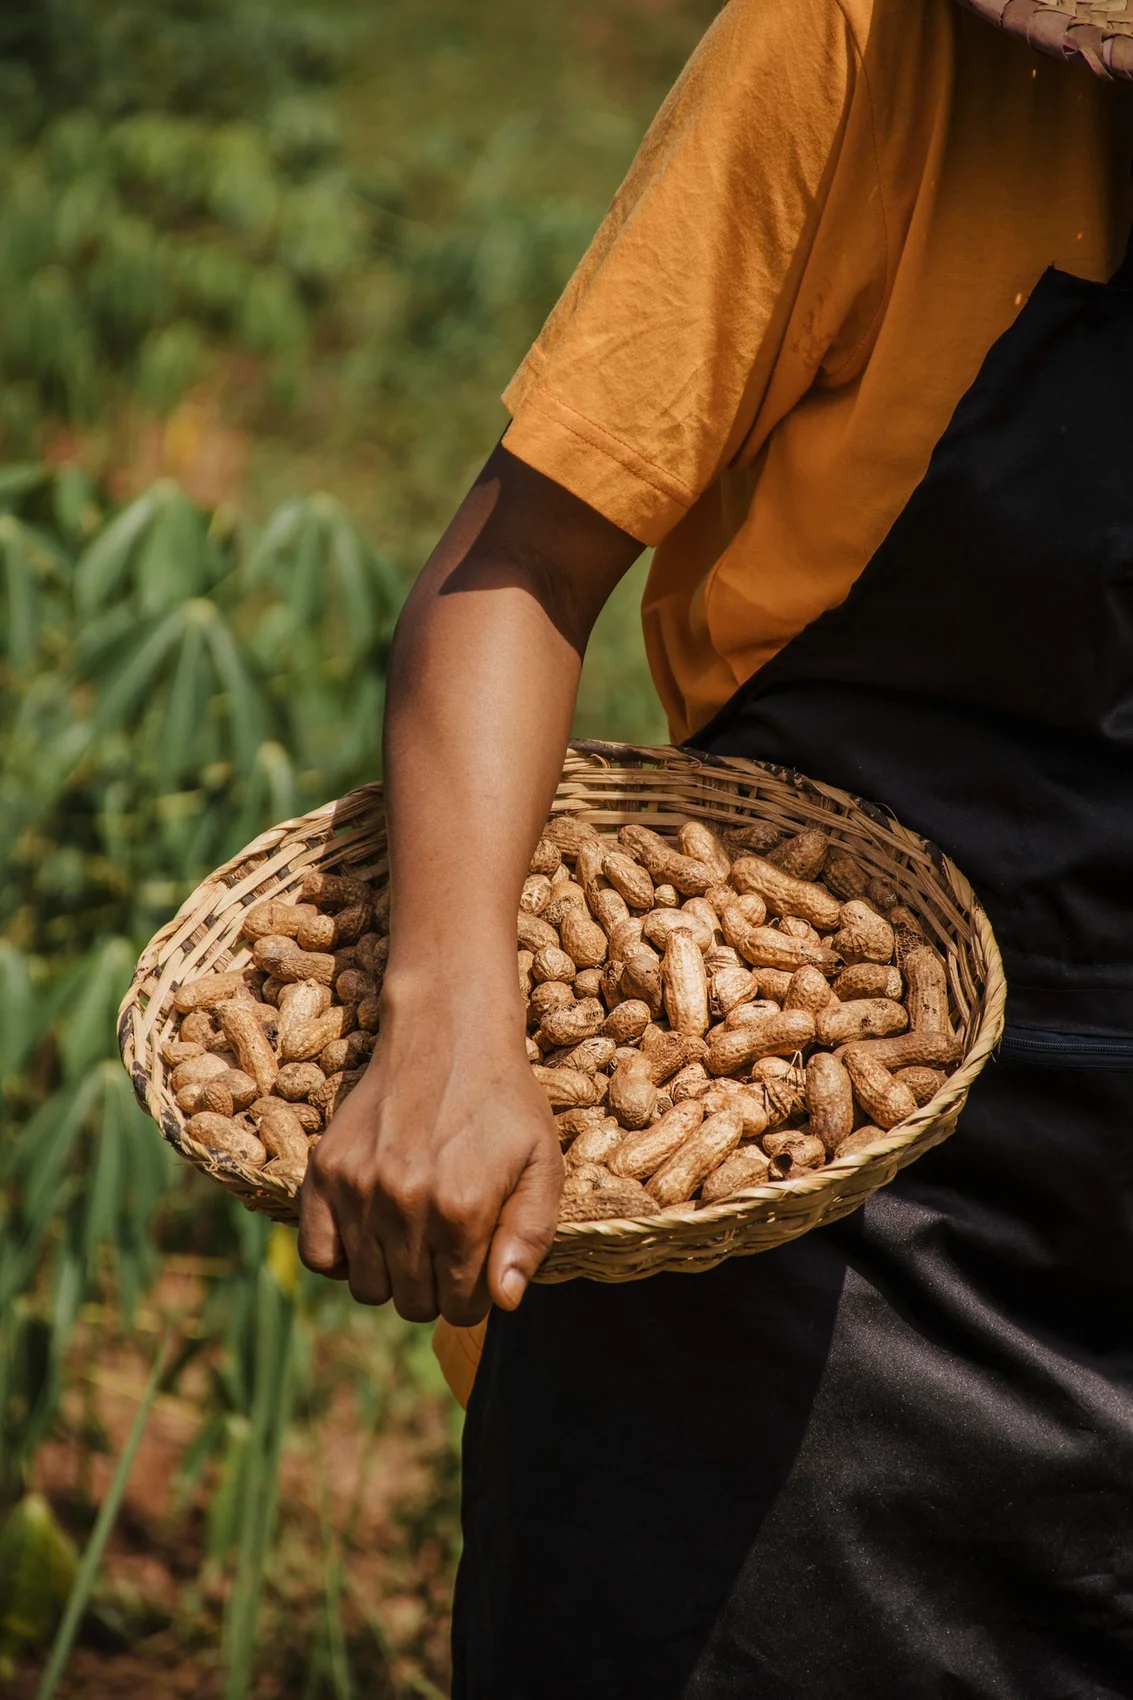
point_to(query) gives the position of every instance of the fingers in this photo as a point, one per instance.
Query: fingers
(525, 1231)
(320, 1247)
(461, 1236)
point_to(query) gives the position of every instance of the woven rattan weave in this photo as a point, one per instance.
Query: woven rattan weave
(1099, 33)
(608, 785)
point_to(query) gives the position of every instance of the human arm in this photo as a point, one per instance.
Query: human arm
(437, 1183)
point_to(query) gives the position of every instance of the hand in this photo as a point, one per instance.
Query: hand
(437, 1183)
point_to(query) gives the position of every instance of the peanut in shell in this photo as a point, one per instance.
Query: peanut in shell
(684, 986)
(677, 1180)
(641, 1154)
(863, 1018)
(784, 894)
(829, 1100)
(746, 1167)
(209, 990)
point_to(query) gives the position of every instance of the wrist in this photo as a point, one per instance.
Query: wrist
(480, 999)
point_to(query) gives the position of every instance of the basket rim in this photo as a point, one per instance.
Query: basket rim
(585, 757)
(1096, 32)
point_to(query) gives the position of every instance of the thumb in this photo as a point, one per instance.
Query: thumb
(525, 1230)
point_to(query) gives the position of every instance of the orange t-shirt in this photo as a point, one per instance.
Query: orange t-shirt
(838, 209)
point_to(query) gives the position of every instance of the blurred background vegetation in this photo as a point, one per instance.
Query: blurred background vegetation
(265, 266)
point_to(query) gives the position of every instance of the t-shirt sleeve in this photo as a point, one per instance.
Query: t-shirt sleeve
(648, 374)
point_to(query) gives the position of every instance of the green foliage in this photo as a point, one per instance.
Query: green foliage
(170, 185)
(172, 683)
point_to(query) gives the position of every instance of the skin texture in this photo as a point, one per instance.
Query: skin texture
(437, 1182)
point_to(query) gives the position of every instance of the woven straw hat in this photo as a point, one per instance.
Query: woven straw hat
(1098, 32)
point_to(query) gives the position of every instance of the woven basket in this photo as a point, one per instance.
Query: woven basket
(1097, 32)
(608, 785)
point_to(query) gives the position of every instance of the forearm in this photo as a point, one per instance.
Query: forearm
(482, 687)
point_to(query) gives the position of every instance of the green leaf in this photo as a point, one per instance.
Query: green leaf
(88, 1024)
(172, 562)
(105, 561)
(16, 480)
(17, 1010)
(180, 739)
(128, 688)
(247, 713)
(104, 1523)
(22, 596)
(38, 1564)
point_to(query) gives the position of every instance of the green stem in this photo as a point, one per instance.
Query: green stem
(100, 1534)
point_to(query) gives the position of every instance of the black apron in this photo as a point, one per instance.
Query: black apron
(892, 1460)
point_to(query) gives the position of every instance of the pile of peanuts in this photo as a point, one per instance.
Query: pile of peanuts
(264, 1055)
(706, 1013)
(710, 1012)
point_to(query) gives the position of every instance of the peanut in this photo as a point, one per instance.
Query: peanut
(330, 1096)
(796, 928)
(316, 932)
(808, 989)
(746, 1167)
(283, 959)
(175, 1051)
(298, 1080)
(845, 877)
(882, 1097)
(666, 897)
(546, 858)
(273, 915)
(864, 1018)
(747, 1101)
(628, 1021)
(868, 980)
(568, 1024)
(281, 1132)
(829, 1100)
(677, 1180)
(535, 934)
(641, 1154)
(524, 959)
(629, 878)
(923, 1083)
(214, 1097)
(776, 1035)
(554, 964)
(250, 1043)
(793, 1153)
(351, 924)
(583, 939)
(196, 1070)
(689, 875)
(803, 856)
(632, 1093)
(692, 1081)
(605, 1203)
(767, 947)
(222, 1133)
(597, 1144)
(609, 909)
(927, 984)
(307, 1039)
(334, 891)
(786, 895)
(684, 986)
(198, 1028)
(549, 994)
(700, 844)
(571, 1123)
(859, 1140)
(587, 983)
(864, 935)
(536, 894)
(568, 832)
(659, 926)
(918, 1049)
(590, 1055)
(669, 1052)
(729, 988)
(354, 985)
(209, 990)
(756, 837)
(566, 1088)
(641, 979)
